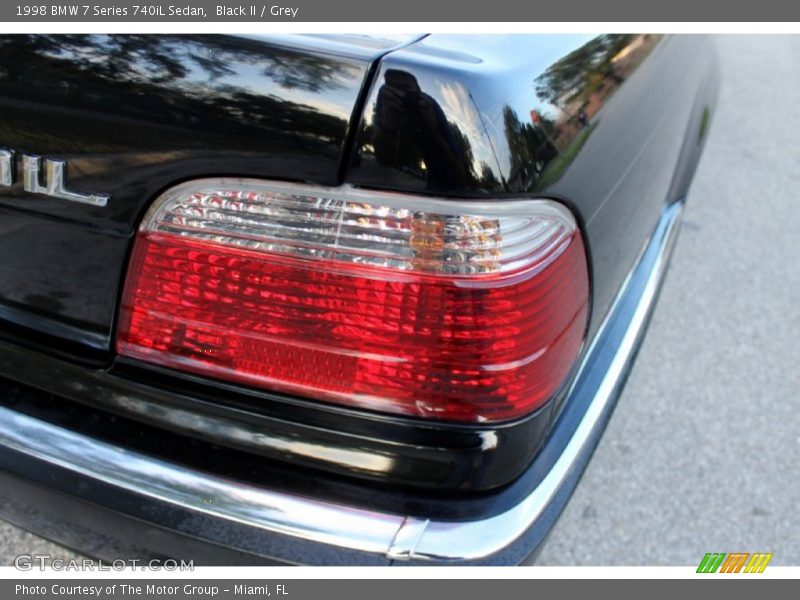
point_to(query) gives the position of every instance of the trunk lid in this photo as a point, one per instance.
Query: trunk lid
(133, 115)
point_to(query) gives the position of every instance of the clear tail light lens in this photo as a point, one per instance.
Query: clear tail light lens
(446, 309)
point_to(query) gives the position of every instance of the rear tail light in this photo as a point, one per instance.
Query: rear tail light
(445, 309)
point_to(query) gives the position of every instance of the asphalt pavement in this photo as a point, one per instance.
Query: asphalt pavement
(703, 451)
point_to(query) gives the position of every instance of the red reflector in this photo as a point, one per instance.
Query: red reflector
(490, 346)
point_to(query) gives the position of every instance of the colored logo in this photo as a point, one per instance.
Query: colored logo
(736, 562)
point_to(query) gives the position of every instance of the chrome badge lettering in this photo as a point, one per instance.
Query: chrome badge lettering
(6, 174)
(54, 178)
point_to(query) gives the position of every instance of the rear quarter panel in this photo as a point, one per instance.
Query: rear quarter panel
(598, 122)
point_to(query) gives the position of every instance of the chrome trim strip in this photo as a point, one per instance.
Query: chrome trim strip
(392, 536)
(276, 512)
(407, 537)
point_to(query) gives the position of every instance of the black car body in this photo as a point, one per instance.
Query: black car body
(119, 457)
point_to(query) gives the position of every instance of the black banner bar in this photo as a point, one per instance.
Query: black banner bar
(398, 589)
(199, 11)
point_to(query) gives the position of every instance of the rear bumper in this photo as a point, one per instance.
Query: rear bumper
(114, 503)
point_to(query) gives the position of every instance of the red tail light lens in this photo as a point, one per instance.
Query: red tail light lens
(452, 310)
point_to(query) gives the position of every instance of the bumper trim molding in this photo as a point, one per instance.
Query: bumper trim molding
(506, 537)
